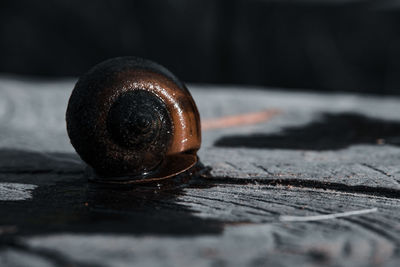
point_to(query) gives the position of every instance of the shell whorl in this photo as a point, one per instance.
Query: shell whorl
(129, 117)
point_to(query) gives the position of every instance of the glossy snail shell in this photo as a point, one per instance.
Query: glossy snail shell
(132, 120)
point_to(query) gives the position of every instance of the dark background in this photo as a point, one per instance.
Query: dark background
(328, 45)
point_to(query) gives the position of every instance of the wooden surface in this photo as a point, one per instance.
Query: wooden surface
(322, 155)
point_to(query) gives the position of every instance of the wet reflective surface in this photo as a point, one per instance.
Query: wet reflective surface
(69, 203)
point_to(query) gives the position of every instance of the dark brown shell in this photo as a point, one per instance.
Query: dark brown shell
(130, 119)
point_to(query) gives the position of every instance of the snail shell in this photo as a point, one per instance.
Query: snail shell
(132, 120)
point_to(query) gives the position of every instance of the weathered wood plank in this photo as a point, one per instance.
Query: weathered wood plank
(249, 214)
(323, 154)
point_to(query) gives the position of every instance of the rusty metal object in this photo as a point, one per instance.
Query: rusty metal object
(133, 121)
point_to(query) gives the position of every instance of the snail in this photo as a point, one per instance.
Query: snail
(132, 121)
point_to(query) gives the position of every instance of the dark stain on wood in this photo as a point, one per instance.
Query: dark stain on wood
(329, 132)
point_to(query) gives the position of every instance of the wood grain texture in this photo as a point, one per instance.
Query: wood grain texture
(323, 154)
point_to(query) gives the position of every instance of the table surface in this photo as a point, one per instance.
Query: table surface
(316, 184)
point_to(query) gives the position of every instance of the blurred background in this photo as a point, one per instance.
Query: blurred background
(325, 45)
